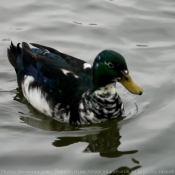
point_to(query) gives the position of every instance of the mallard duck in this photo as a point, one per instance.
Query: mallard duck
(69, 89)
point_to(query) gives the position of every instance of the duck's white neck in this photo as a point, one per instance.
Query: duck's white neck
(109, 89)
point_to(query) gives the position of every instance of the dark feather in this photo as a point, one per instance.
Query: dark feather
(13, 53)
(72, 61)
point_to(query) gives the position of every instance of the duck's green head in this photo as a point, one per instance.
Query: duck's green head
(110, 66)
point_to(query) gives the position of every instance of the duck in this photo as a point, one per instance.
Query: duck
(69, 89)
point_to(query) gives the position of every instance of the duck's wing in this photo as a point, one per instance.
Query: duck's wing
(77, 64)
(35, 64)
(53, 74)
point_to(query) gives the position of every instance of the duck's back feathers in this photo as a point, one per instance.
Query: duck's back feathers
(47, 62)
(77, 64)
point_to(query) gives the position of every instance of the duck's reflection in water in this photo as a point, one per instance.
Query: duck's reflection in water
(105, 141)
(124, 170)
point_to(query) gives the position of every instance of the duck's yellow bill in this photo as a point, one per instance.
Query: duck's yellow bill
(129, 84)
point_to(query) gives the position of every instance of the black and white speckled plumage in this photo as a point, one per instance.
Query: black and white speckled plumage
(96, 108)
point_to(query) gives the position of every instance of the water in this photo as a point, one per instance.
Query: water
(140, 143)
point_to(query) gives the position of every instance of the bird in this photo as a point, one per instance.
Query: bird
(69, 89)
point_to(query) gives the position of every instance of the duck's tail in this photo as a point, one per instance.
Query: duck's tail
(13, 52)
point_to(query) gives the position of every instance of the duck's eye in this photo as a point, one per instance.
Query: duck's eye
(110, 65)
